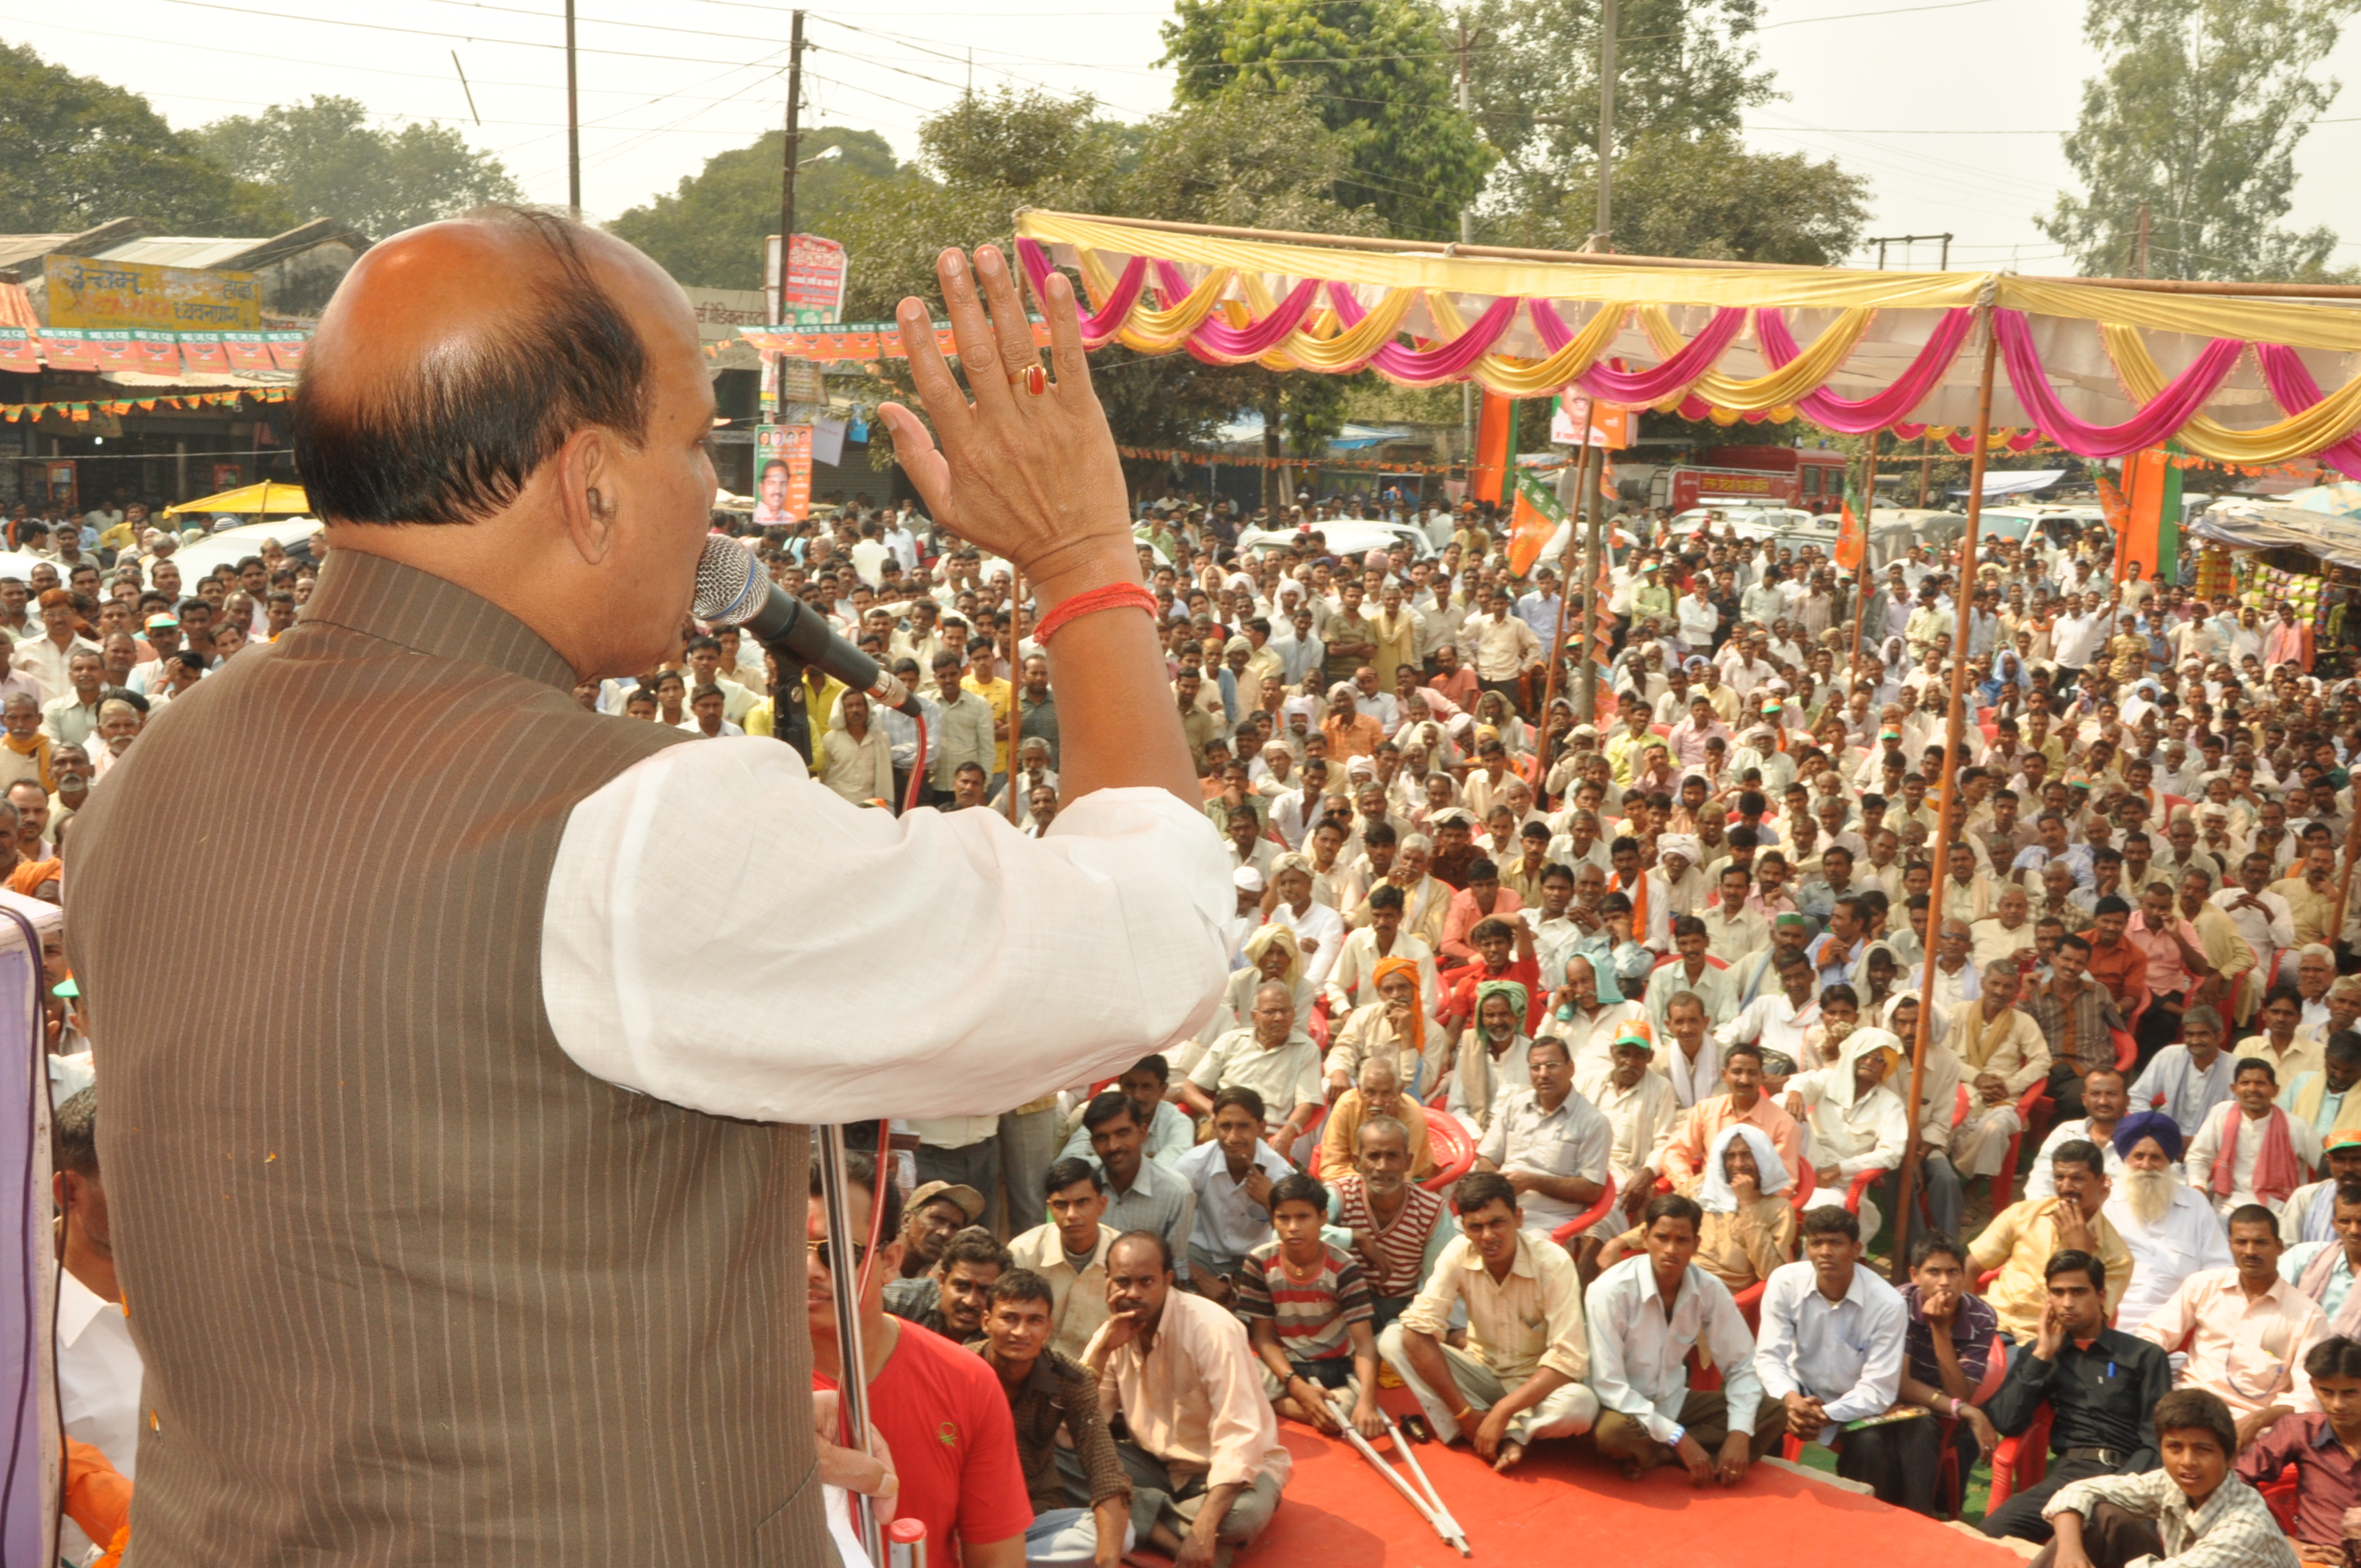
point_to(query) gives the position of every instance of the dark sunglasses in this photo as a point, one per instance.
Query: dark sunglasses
(818, 1246)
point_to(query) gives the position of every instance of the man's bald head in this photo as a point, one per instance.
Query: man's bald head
(541, 384)
(455, 359)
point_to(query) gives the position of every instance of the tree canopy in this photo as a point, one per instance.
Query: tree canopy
(326, 160)
(2196, 115)
(711, 230)
(76, 151)
(1377, 73)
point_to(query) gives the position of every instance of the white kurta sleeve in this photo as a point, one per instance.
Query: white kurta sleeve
(725, 932)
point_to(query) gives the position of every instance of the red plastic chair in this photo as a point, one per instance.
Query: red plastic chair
(2126, 1049)
(2020, 1462)
(1565, 1234)
(1800, 1192)
(1454, 1151)
(2279, 1494)
(2035, 1108)
(1861, 1185)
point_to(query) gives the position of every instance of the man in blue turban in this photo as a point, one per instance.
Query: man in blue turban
(2171, 1230)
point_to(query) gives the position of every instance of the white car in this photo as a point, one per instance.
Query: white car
(1346, 536)
(235, 545)
(1746, 522)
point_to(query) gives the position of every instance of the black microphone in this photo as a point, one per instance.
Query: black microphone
(731, 591)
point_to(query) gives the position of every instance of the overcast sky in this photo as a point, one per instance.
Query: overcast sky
(1952, 110)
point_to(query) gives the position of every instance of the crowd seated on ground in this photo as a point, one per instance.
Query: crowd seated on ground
(1561, 1060)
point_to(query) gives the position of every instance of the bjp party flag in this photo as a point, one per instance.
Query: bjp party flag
(1536, 518)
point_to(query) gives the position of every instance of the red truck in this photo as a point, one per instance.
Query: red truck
(1760, 476)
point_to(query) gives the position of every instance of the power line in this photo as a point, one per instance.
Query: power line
(1856, 15)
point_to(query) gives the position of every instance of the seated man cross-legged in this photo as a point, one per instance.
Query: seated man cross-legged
(1831, 1352)
(1645, 1316)
(1047, 1394)
(1203, 1455)
(1521, 1376)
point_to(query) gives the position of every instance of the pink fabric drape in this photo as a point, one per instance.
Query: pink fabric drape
(2152, 426)
(1099, 327)
(2293, 385)
(1425, 366)
(1860, 416)
(1643, 387)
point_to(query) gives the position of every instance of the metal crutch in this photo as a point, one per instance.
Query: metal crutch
(1437, 1515)
(1409, 1457)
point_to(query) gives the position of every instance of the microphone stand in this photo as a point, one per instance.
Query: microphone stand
(852, 1380)
(790, 710)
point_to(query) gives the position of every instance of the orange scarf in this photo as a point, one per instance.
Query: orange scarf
(36, 746)
(1387, 967)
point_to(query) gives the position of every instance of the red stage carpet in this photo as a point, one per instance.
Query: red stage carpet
(1563, 1504)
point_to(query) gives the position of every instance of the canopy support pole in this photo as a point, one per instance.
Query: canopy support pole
(1860, 576)
(1564, 610)
(1947, 822)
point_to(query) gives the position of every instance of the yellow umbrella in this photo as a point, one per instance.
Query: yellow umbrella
(266, 497)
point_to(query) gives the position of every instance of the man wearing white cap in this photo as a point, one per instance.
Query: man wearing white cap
(1675, 887)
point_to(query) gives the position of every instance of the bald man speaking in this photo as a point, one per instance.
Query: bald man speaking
(459, 1195)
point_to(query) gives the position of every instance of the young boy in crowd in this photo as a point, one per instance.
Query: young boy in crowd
(1308, 1312)
(2191, 1513)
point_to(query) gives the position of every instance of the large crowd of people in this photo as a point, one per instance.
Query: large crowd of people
(1563, 1056)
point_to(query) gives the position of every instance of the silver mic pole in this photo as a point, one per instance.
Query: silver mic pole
(844, 1277)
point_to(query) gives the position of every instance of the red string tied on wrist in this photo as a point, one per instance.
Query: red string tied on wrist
(1114, 596)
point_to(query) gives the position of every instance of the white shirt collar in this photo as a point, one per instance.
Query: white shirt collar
(78, 1307)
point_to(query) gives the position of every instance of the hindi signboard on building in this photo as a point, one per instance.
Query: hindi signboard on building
(85, 291)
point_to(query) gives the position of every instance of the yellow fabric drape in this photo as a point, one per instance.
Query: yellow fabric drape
(1797, 288)
(1313, 349)
(2296, 322)
(2291, 321)
(1807, 372)
(1146, 329)
(1534, 378)
(2324, 425)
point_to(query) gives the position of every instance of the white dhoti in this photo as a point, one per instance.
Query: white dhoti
(1980, 1143)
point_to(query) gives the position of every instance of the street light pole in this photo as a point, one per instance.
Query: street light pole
(788, 200)
(573, 126)
(1603, 225)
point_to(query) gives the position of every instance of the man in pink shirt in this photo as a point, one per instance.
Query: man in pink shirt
(1689, 737)
(1482, 898)
(2177, 965)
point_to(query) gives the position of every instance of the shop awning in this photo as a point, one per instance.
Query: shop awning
(2263, 525)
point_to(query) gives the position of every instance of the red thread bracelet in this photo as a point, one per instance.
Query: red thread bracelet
(1114, 596)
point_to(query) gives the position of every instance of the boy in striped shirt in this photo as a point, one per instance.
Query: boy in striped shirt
(1307, 1310)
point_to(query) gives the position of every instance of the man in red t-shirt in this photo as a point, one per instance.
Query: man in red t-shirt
(939, 1409)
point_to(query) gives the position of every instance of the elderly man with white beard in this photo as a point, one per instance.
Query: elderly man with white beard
(2171, 1230)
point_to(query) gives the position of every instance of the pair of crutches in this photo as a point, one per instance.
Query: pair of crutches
(1425, 1498)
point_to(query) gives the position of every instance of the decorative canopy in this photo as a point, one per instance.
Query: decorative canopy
(2100, 368)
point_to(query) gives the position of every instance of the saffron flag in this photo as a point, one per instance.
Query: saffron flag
(2147, 537)
(1487, 478)
(1537, 516)
(1853, 534)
